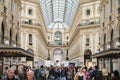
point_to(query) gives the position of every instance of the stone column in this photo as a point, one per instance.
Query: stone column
(13, 43)
(100, 64)
(107, 62)
(115, 64)
(0, 28)
(0, 37)
(119, 64)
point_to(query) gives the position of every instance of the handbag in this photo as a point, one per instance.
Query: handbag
(76, 78)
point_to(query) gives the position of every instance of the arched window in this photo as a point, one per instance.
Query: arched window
(10, 36)
(104, 46)
(16, 39)
(57, 55)
(30, 51)
(87, 40)
(2, 30)
(58, 38)
(111, 42)
(112, 35)
(87, 57)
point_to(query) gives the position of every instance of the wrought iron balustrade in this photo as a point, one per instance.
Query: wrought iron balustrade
(89, 23)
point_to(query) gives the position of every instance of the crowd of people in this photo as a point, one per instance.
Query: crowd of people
(59, 73)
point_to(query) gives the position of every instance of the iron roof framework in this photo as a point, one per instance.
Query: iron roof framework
(59, 10)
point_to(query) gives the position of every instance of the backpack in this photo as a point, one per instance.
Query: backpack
(97, 75)
(91, 73)
(42, 73)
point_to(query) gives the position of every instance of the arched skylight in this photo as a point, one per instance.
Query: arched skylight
(58, 10)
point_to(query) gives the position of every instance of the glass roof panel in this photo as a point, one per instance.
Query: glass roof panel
(61, 11)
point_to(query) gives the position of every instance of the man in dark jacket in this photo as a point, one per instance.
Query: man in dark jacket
(10, 75)
(97, 74)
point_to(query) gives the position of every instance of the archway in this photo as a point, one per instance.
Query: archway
(3, 32)
(111, 43)
(87, 57)
(10, 36)
(16, 39)
(112, 35)
(57, 55)
(104, 44)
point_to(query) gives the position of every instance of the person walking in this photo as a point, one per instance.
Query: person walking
(80, 75)
(10, 75)
(97, 74)
(30, 75)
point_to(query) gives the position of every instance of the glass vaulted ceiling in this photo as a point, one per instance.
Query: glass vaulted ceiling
(61, 11)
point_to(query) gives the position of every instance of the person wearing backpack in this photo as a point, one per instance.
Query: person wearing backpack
(97, 74)
(42, 73)
(90, 73)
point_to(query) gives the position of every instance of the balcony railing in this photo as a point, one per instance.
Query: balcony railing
(89, 23)
(87, 44)
(34, 24)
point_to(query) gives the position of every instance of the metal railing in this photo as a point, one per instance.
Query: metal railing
(35, 24)
(89, 23)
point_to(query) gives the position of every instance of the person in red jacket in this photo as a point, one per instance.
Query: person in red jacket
(86, 72)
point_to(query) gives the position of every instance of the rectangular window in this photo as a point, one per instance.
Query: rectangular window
(67, 37)
(99, 41)
(30, 11)
(12, 5)
(104, 11)
(30, 39)
(4, 9)
(103, 24)
(118, 6)
(119, 10)
(111, 6)
(30, 22)
(12, 17)
(87, 40)
(3, 1)
(48, 37)
(88, 12)
(119, 2)
(110, 18)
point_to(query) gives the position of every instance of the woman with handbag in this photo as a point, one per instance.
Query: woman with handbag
(80, 75)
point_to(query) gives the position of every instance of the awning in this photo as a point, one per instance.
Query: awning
(110, 53)
(15, 52)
